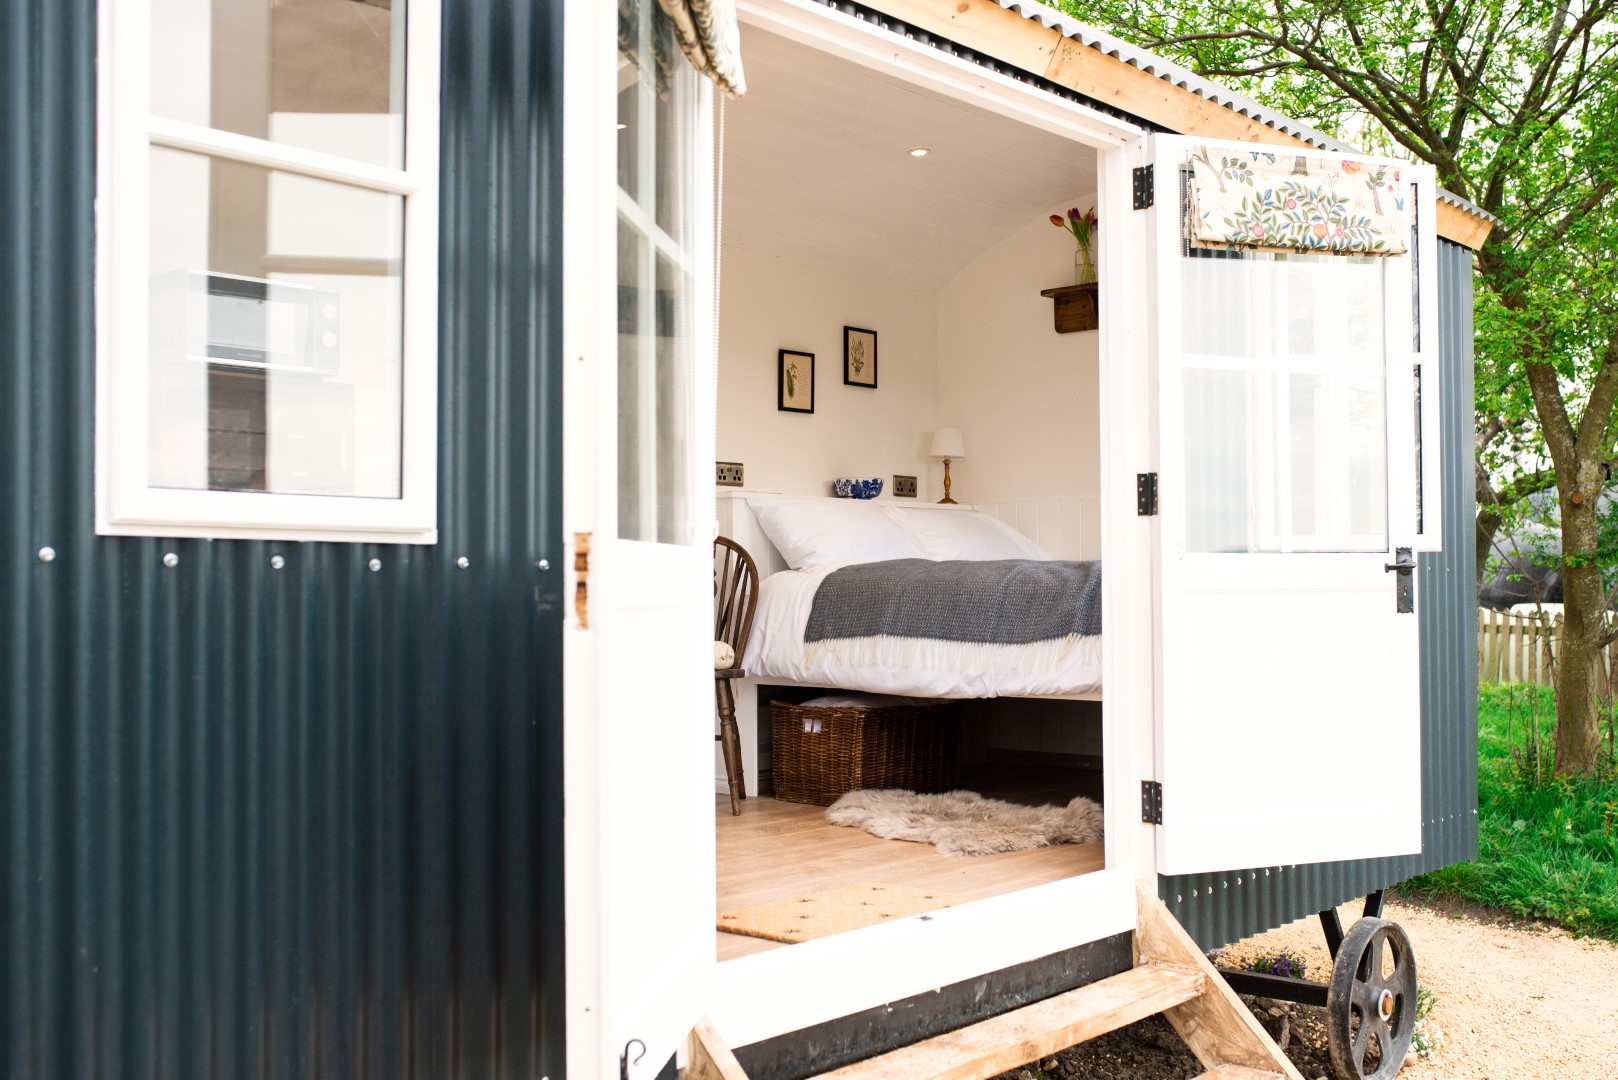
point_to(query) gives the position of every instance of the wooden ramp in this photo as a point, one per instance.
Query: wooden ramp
(1171, 976)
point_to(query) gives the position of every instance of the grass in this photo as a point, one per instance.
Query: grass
(1547, 848)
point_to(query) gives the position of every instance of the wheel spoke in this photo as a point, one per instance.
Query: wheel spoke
(1362, 1041)
(1365, 995)
(1372, 967)
(1384, 1036)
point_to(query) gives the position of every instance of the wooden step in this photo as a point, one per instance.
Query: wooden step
(1238, 1072)
(1034, 1031)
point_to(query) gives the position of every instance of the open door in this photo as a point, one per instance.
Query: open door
(638, 417)
(1289, 673)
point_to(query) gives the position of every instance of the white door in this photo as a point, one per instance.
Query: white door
(1289, 704)
(638, 342)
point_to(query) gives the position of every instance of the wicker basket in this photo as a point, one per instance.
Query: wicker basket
(823, 752)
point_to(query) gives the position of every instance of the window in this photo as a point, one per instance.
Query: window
(1425, 369)
(661, 112)
(1285, 360)
(266, 290)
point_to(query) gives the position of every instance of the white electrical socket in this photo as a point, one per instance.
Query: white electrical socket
(728, 473)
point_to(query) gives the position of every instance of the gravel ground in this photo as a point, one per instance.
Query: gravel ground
(1514, 1000)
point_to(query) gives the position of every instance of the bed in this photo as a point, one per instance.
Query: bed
(831, 559)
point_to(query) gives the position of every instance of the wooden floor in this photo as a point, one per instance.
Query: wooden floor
(776, 850)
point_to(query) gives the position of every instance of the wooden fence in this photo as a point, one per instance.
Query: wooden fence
(1524, 649)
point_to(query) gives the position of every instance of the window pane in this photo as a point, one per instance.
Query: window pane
(1285, 402)
(321, 74)
(658, 471)
(276, 323)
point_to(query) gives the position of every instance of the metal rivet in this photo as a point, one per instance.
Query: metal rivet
(463, 562)
(48, 554)
(375, 565)
(544, 564)
(171, 560)
(276, 562)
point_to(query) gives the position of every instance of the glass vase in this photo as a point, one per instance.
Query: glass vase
(1084, 265)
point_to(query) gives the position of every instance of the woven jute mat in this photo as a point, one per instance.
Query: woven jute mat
(800, 918)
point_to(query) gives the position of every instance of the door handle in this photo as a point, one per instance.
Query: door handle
(1404, 590)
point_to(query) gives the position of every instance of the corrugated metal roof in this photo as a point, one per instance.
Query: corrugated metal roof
(1176, 75)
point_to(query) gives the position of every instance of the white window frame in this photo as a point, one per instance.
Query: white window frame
(1430, 522)
(126, 505)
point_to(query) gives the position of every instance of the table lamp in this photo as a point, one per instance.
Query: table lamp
(947, 444)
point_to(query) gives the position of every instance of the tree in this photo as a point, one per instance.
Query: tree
(1515, 104)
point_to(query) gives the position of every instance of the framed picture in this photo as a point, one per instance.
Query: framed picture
(859, 357)
(795, 381)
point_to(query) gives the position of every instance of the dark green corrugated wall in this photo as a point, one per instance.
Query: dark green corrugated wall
(1225, 907)
(294, 823)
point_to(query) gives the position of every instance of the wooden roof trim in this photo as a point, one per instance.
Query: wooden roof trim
(985, 27)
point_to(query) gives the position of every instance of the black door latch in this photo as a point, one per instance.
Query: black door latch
(1404, 589)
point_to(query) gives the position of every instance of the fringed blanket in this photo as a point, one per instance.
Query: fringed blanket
(996, 616)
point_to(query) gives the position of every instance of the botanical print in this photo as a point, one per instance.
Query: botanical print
(795, 381)
(859, 357)
(1294, 202)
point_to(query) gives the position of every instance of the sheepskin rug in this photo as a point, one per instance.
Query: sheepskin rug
(964, 822)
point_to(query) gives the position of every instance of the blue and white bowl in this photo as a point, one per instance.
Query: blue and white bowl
(855, 487)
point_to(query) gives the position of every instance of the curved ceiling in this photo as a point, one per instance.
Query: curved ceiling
(817, 168)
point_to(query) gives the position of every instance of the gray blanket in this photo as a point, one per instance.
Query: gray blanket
(1009, 602)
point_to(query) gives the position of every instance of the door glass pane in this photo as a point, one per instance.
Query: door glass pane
(320, 74)
(659, 475)
(276, 318)
(1285, 402)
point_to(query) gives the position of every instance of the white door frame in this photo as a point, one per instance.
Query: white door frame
(639, 941)
(817, 981)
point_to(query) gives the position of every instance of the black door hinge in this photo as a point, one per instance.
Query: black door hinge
(1144, 187)
(1151, 802)
(1146, 494)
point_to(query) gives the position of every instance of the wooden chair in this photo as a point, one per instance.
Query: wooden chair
(735, 594)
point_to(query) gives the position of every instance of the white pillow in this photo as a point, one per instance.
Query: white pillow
(833, 532)
(965, 534)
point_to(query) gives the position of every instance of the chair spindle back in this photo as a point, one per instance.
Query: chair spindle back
(735, 585)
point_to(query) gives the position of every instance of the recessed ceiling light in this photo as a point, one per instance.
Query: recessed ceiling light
(920, 151)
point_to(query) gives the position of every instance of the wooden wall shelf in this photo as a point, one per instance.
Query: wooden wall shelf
(1077, 307)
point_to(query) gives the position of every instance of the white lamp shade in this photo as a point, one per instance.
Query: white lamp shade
(947, 442)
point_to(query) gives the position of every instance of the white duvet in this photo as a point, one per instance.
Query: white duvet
(775, 650)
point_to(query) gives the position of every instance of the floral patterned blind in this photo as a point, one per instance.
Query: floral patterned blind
(1297, 202)
(709, 37)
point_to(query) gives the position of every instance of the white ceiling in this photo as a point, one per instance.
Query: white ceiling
(817, 169)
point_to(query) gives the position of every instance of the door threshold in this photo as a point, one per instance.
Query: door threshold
(767, 994)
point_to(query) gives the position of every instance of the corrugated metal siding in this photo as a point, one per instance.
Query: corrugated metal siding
(1225, 907)
(304, 822)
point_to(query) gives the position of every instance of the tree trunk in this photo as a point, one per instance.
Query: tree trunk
(1580, 673)
(1488, 527)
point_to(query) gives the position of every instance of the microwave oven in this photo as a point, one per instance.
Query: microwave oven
(247, 322)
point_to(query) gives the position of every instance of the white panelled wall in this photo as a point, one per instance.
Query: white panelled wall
(980, 354)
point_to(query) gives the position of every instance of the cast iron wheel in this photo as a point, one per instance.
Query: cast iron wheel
(1371, 1003)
